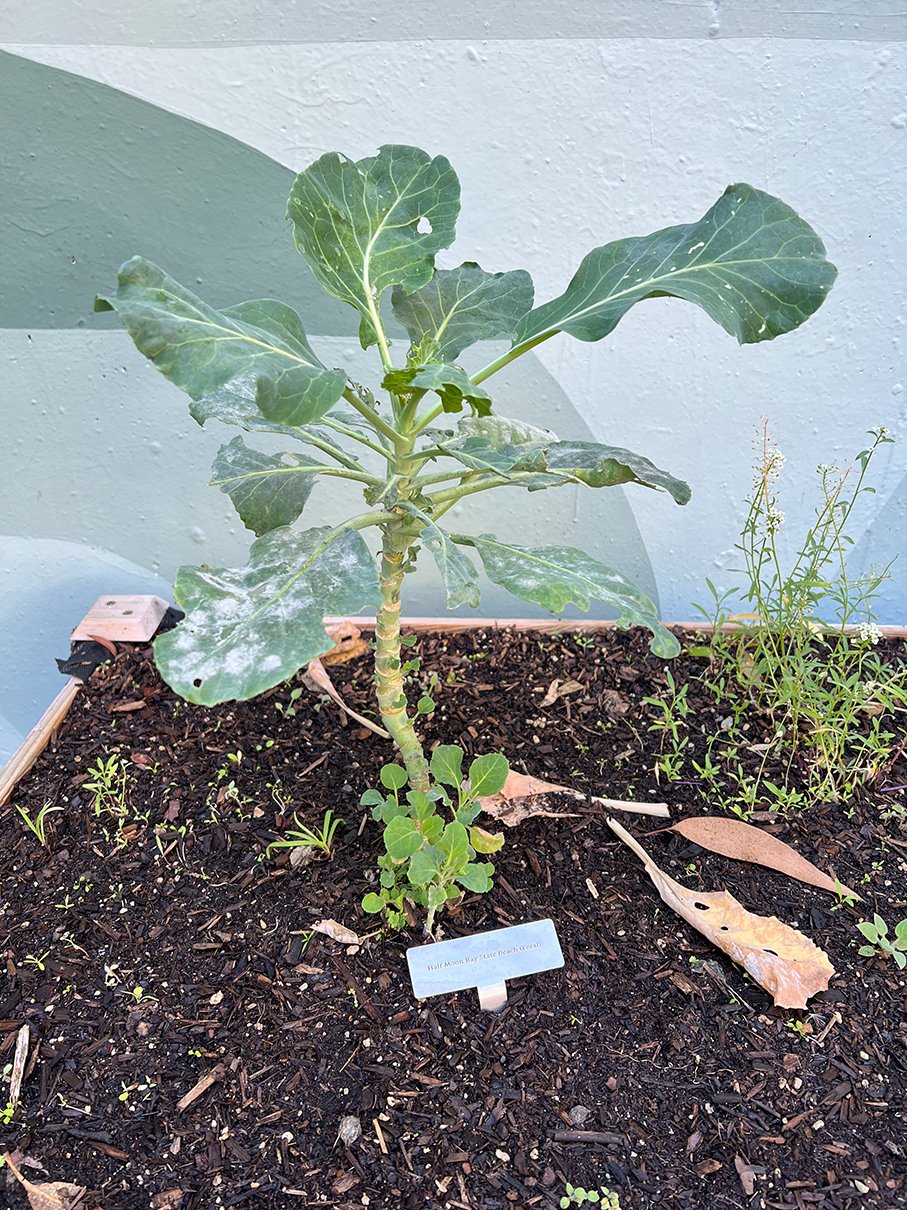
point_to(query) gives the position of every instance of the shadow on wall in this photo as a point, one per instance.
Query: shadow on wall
(92, 176)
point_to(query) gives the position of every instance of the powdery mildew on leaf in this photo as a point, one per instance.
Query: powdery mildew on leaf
(249, 628)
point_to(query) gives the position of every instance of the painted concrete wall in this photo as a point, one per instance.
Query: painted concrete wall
(176, 134)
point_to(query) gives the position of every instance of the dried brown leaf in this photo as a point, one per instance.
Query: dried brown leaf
(787, 964)
(558, 689)
(337, 932)
(316, 678)
(47, 1195)
(524, 796)
(614, 703)
(743, 842)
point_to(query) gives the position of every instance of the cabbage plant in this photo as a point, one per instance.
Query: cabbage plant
(369, 231)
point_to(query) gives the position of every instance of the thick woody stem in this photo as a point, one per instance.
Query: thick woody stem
(388, 663)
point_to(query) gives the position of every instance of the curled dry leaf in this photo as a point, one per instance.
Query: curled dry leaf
(787, 964)
(523, 796)
(337, 932)
(560, 689)
(743, 842)
(316, 678)
(47, 1195)
(348, 643)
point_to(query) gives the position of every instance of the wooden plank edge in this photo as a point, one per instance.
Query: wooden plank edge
(37, 739)
(553, 626)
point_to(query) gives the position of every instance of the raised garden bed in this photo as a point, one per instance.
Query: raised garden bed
(649, 1064)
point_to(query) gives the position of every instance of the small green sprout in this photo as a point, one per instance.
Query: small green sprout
(310, 838)
(577, 1196)
(799, 1029)
(38, 825)
(881, 945)
(109, 785)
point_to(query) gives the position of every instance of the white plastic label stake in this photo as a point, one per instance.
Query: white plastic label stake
(485, 961)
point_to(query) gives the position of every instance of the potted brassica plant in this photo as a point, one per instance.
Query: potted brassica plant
(369, 231)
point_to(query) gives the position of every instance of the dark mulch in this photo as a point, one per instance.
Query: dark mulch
(649, 1063)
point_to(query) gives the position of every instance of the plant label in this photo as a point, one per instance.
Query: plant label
(484, 961)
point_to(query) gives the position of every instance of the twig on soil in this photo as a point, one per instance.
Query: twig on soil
(586, 1136)
(15, 1079)
(379, 1133)
(201, 1086)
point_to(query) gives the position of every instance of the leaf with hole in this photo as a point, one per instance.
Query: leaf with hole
(787, 964)
(364, 226)
(751, 263)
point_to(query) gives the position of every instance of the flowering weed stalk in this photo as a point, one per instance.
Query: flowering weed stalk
(804, 648)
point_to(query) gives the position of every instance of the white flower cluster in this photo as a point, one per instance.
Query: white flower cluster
(774, 518)
(867, 632)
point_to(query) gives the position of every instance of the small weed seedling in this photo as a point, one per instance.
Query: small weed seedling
(881, 945)
(576, 1196)
(671, 714)
(302, 836)
(38, 825)
(422, 442)
(109, 787)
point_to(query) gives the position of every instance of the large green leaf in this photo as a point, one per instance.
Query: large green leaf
(200, 349)
(366, 225)
(542, 464)
(267, 490)
(460, 306)
(461, 581)
(451, 383)
(751, 263)
(249, 628)
(556, 576)
(234, 404)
